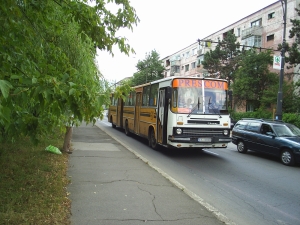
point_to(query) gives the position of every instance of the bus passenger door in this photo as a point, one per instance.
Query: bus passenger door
(120, 113)
(137, 112)
(161, 122)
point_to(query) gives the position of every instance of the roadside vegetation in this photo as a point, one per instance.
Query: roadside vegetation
(293, 118)
(49, 81)
(33, 182)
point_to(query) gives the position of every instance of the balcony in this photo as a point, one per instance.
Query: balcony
(175, 63)
(174, 74)
(252, 31)
(175, 70)
(200, 52)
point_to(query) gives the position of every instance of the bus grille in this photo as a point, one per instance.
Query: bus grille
(195, 132)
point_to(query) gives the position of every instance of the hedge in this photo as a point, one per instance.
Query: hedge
(293, 118)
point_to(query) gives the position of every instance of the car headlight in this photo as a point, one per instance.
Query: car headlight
(178, 131)
(225, 132)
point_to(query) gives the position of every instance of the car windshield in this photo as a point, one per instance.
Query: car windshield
(294, 129)
(286, 130)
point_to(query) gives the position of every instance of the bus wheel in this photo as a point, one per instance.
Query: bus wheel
(112, 123)
(152, 140)
(127, 132)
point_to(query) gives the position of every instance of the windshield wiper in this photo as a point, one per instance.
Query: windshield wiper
(216, 111)
(198, 104)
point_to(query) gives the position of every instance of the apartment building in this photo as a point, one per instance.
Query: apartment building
(262, 29)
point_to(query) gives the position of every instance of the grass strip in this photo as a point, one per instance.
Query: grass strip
(33, 183)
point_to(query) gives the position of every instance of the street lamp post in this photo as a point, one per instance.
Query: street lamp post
(278, 115)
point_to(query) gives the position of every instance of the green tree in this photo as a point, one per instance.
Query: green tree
(48, 76)
(223, 60)
(149, 69)
(292, 58)
(253, 81)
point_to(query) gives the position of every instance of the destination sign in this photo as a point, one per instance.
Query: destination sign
(216, 84)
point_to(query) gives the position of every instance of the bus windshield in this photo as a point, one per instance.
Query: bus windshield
(199, 98)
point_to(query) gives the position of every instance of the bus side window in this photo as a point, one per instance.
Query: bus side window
(153, 94)
(146, 92)
(133, 95)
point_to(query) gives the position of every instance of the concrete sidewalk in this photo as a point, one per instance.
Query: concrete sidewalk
(111, 185)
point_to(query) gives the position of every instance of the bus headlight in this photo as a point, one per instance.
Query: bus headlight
(178, 131)
(225, 132)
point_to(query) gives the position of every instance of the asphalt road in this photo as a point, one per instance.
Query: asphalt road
(247, 188)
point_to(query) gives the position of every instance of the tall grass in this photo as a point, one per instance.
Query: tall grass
(33, 183)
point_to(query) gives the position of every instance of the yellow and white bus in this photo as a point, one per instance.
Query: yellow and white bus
(176, 112)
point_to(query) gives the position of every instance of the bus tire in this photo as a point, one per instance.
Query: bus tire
(152, 140)
(112, 123)
(127, 132)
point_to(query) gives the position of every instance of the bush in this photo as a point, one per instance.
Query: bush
(293, 118)
(259, 114)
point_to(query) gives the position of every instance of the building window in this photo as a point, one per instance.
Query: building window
(194, 51)
(187, 54)
(270, 37)
(250, 107)
(271, 15)
(193, 64)
(225, 34)
(175, 69)
(182, 67)
(199, 60)
(239, 32)
(175, 57)
(167, 62)
(187, 67)
(256, 23)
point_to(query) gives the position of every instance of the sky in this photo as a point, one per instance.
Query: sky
(168, 26)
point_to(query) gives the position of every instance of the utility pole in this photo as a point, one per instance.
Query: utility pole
(278, 115)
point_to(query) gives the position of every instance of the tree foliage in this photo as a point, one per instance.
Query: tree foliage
(223, 60)
(291, 102)
(149, 69)
(293, 56)
(48, 76)
(253, 80)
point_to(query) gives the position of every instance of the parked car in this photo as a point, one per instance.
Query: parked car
(268, 136)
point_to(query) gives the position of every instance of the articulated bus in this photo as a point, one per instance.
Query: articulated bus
(176, 112)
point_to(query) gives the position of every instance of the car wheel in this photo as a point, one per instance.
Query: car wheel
(287, 157)
(127, 132)
(152, 140)
(241, 147)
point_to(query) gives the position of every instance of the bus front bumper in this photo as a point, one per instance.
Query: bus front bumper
(199, 142)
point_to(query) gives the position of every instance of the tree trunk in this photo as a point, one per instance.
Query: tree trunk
(67, 141)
